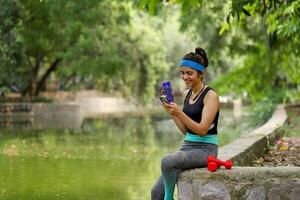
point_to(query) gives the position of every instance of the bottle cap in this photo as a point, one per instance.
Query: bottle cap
(166, 84)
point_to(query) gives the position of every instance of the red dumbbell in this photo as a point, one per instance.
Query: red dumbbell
(228, 163)
(212, 166)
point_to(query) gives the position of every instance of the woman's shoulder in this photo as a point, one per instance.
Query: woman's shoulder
(212, 94)
(212, 99)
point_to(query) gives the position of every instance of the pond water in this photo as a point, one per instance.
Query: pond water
(107, 158)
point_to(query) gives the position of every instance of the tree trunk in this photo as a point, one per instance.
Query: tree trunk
(30, 89)
(41, 84)
(143, 77)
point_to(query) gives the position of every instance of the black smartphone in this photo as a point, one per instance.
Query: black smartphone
(163, 99)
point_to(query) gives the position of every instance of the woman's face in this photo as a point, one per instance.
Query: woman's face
(190, 76)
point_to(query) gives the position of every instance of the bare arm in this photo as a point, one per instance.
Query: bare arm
(211, 107)
(177, 121)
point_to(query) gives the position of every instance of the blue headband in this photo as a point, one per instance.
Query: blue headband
(192, 64)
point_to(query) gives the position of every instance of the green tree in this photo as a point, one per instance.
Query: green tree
(51, 30)
(272, 43)
(132, 57)
(9, 42)
(96, 44)
(263, 38)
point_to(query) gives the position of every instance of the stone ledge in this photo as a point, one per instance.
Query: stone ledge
(242, 173)
(251, 145)
(41, 115)
(250, 183)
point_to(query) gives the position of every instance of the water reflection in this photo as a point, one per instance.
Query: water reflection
(108, 158)
(104, 159)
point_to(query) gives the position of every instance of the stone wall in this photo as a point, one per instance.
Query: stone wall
(40, 115)
(56, 115)
(249, 183)
(95, 106)
(12, 108)
(68, 114)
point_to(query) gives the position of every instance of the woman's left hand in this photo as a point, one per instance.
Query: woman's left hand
(173, 109)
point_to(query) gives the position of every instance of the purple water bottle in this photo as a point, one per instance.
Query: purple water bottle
(167, 90)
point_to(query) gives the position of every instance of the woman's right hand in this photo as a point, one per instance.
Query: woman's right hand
(166, 107)
(172, 109)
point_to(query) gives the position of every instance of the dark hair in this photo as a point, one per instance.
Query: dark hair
(199, 57)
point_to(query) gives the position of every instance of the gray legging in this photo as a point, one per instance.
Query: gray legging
(190, 155)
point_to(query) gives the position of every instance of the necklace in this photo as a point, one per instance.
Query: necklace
(199, 92)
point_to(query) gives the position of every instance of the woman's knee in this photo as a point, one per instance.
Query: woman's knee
(167, 162)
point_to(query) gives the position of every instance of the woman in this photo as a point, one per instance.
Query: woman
(198, 121)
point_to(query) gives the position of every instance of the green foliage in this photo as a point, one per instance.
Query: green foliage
(202, 25)
(110, 46)
(292, 128)
(262, 111)
(153, 5)
(9, 42)
(143, 59)
(282, 16)
(265, 74)
(287, 20)
(262, 48)
(259, 54)
(135, 59)
(95, 44)
(64, 30)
